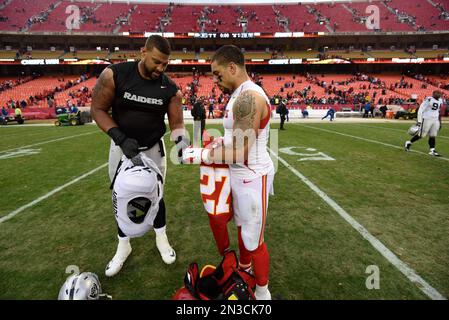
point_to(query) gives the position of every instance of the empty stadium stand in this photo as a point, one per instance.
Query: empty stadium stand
(388, 20)
(145, 17)
(18, 13)
(262, 19)
(422, 12)
(184, 19)
(40, 86)
(307, 21)
(223, 19)
(104, 17)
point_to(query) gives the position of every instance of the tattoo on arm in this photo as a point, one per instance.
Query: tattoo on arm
(244, 110)
(102, 98)
(103, 91)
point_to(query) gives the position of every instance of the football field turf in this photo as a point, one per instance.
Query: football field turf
(349, 201)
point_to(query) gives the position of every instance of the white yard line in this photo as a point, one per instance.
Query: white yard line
(28, 125)
(373, 141)
(22, 134)
(50, 141)
(411, 274)
(49, 194)
(392, 129)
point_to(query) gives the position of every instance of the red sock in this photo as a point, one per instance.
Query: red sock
(261, 264)
(219, 226)
(245, 255)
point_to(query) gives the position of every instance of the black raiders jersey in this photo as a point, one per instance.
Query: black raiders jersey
(140, 104)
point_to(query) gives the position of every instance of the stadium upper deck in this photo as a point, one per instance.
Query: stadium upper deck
(115, 18)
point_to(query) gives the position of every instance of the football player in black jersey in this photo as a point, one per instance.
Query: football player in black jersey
(140, 95)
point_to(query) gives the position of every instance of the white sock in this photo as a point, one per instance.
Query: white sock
(167, 253)
(262, 292)
(124, 245)
(262, 289)
(160, 231)
(162, 240)
(162, 243)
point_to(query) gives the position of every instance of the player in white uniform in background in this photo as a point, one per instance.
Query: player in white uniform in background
(429, 121)
(244, 148)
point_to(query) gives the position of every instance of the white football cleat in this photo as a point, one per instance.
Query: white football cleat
(123, 251)
(408, 144)
(434, 153)
(167, 253)
(262, 293)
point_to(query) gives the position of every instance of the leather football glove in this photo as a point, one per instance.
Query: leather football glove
(129, 146)
(196, 155)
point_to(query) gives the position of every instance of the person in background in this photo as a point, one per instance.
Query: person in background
(429, 122)
(330, 113)
(282, 110)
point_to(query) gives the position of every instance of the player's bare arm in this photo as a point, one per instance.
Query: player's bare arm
(249, 109)
(102, 97)
(175, 114)
(176, 123)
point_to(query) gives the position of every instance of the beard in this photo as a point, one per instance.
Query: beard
(155, 75)
(152, 74)
(149, 73)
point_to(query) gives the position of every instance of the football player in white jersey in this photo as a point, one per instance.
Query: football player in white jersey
(244, 148)
(429, 122)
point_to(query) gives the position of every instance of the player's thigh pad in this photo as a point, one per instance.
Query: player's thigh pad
(115, 154)
(154, 153)
(249, 211)
(433, 130)
(426, 124)
(157, 154)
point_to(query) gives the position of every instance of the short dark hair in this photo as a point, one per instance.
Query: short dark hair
(158, 42)
(229, 53)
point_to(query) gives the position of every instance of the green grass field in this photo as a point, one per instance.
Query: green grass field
(401, 198)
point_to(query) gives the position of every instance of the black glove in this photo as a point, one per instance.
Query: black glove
(181, 144)
(129, 146)
(137, 161)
